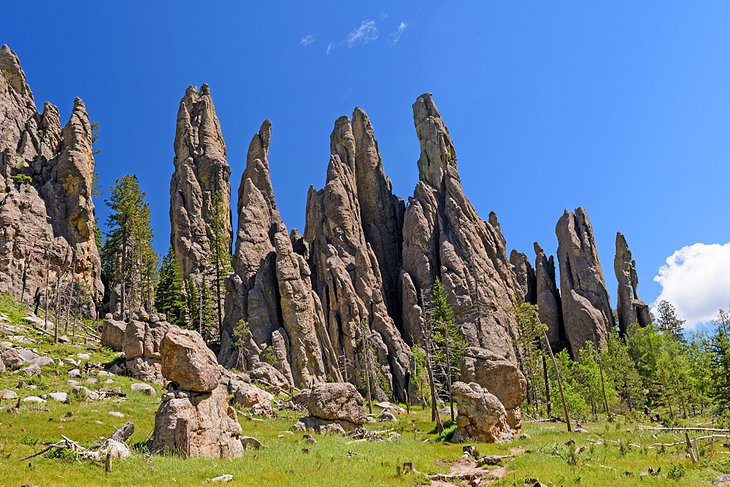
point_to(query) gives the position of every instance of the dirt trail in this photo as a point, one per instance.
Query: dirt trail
(465, 471)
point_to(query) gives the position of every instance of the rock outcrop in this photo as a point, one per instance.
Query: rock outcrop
(523, 276)
(481, 416)
(631, 309)
(112, 334)
(587, 313)
(141, 346)
(548, 302)
(332, 402)
(346, 271)
(194, 418)
(199, 190)
(46, 211)
(444, 237)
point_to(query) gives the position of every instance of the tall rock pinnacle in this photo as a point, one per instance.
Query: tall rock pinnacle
(346, 270)
(46, 208)
(548, 301)
(201, 173)
(587, 313)
(523, 276)
(631, 309)
(444, 237)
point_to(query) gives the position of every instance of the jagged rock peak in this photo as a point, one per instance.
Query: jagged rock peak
(548, 298)
(631, 309)
(342, 142)
(257, 167)
(201, 173)
(438, 155)
(587, 313)
(523, 275)
(12, 72)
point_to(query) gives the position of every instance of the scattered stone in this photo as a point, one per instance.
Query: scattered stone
(248, 396)
(34, 400)
(58, 396)
(31, 370)
(8, 394)
(250, 442)
(74, 373)
(91, 380)
(722, 480)
(116, 449)
(387, 417)
(83, 356)
(145, 389)
(322, 426)
(221, 478)
(116, 414)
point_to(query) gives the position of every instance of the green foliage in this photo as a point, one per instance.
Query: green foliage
(169, 298)
(128, 258)
(201, 308)
(531, 355)
(448, 342)
(21, 179)
(220, 257)
(269, 356)
(419, 375)
(620, 371)
(721, 362)
(668, 322)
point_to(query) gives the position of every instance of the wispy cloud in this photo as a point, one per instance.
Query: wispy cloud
(329, 48)
(695, 279)
(307, 40)
(366, 33)
(395, 36)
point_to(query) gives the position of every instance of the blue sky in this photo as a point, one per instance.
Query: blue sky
(621, 107)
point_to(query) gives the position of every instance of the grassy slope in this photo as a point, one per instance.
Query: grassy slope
(332, 461)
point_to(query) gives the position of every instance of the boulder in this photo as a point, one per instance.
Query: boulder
(145, 389)
(112, 334)
(248, 396)
(323, 426)
(481, 416)
(187, 361)
(58, 396)
(334, 401)
(8, 394)
(197, 425)
(269, 376)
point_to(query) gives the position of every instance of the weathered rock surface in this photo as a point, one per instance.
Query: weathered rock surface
(112, 334)
(587, 313)
(142, 349)
(334, 401)
(548, 301)
(631, 309)
(201, 172)
(499, 377)
(197, 425)
(46, 210)
(346, 271)
(523, 276)
(248, 396)
(188, 362)
(481, 416)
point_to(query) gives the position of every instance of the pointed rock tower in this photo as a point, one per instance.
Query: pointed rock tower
(587, 313)
(46, 209)
(443, 236)
(201, 174)
(631, 309)
(346, 269)
(548, 303)
(523, 276)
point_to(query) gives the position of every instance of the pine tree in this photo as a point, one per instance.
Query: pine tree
(169, 297)
(668, 322)
(721, 362)
(127, 254)
(220, 256)
(528, 344)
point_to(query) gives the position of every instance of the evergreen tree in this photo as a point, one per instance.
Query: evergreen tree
(220, 256)
(721, 362)
(530, 353)
(621, 372)
(127, 254)
(169, 297)
(668, 322)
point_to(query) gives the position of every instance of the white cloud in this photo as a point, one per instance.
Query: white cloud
(696, 280)
(329, 48)
(395, 36)
(307, 40)
(367, 32)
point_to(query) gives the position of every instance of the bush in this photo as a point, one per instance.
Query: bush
(21, 179)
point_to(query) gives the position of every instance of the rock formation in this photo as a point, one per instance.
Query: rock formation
(46, 211)
(346, 271)
(444, 237)
(201, 175)
(331, 403)
(630, 308)
(270, 302)
(194, 419)
(481, 415)
(587, 313)
(549, 307)
(523, 276)
(112, 333)
(142, 338)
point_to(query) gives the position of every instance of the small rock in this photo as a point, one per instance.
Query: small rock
(74, 373)
(387, 417)
(116, 414)
(91, 380)
(31, 370)
(116, 449)
(722, 480)
(144, 389)
(103, 373)
(42, 361)
(250, 442)
(58, 396)
(109, 381)
(83, 356)
(72, 382)
(7, 394)
(34, 399)
(221, 478)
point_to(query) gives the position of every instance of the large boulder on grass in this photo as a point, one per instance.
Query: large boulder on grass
(334, 401)
(112, 334)
(481, 416)
(187, 361)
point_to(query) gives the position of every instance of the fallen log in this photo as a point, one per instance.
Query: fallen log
(669, 428)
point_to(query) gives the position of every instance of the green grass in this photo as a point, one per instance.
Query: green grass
(612, 453)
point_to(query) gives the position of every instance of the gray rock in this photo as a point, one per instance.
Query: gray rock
(112, 334)
(587, 313)
(145, 389)
(58, 396)
(630, 308)
(334, 401)
(523, 276)
(549, 306)
(8, 394)
(31, 370)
